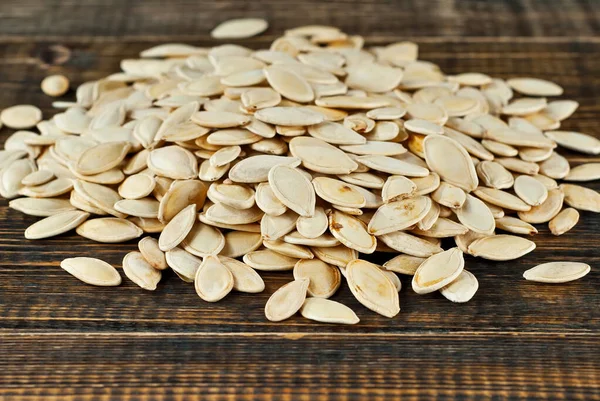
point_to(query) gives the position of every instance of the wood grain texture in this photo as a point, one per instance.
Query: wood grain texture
(61, 339)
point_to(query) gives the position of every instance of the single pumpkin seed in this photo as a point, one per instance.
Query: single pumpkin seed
(92, 271)
(287, 300)
(501, 247)
(462, 289)
(372, 288)
(138, 270)
(557, 272)
(564, 221)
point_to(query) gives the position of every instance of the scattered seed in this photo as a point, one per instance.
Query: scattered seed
(55, 85)
(239, 28)
(328, 311)
(92, 271)
(557, 272)
(20, 117)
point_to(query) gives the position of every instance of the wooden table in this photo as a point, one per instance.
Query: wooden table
(63, 340)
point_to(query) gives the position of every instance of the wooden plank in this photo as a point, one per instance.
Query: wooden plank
(194, 19)
(313, 367)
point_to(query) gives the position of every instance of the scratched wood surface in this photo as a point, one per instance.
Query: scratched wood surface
(63, 340)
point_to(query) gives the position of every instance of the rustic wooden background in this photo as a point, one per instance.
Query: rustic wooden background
(63, 340)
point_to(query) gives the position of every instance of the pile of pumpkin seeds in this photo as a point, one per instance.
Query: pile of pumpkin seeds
(304, 157)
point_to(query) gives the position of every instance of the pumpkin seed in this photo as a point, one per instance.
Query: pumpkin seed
(56, 224)
(581, 198)
(55, 85)
(386, 113)
(476, 216)
(462, 289)
(535, 87)
(102, 157)
(203, 240)
(502, 149)
(267, 201)
(564, 221)
(438, 271)
(584, 172)
(535, 154)
(442, 228)
(515, 226)
(137, 186)
(557, 272)
(173, 162)
(145, 207)
(449, 195)
(92, 271)
(501, 198)
(256, 169)
(372, 288)
(293, 189)
(351, 232)
(328, 311)
(517, 165)
(291, 250)
(239, 28)
(178, 196)
(393, 165)
(275, 227)
(40, 206)
(236, 196)
(12, 176)
(404, 264)
(450, 161)
(149, 249)
(410, 244)
(530, 190)
(317, 155)
(556, 166)
(575, 141)
(314, 226)
(399, 215)
(561, 109)
(335, 133)
(324, 279)
(138, 270)
(219, 119)
(21, 117)
(269, 260)
(397, 187)
(351, 102)
(287, 300)
(37, 178)
(183, 263)
(213, 281)
(494, 175)
(501, 247)
(109, 230)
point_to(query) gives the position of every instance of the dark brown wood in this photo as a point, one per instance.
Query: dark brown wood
(61, 339)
